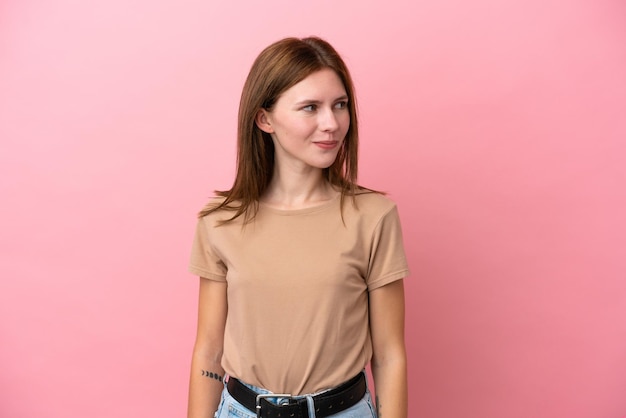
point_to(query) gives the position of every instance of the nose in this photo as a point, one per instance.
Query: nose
(328, 121)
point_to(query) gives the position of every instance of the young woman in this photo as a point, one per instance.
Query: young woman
(300, 268)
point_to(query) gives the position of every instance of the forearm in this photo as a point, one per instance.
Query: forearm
(207, 375)
(205, 385)
(390, 382)
(389, 357)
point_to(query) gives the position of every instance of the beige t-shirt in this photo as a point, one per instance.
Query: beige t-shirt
(298, 283)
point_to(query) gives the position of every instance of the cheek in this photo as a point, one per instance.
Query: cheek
(295, 131)
(345, 122)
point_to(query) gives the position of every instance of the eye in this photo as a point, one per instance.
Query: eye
(341, 105)
(309, 108)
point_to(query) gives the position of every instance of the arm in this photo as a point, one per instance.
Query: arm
(389, 358)
(204, 390)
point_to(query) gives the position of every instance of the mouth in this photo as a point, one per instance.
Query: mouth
(327, 144)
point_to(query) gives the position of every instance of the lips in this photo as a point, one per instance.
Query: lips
(327, 144)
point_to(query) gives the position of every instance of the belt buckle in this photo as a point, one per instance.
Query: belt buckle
(268, 395)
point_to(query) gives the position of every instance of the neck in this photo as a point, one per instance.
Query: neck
(298, 190)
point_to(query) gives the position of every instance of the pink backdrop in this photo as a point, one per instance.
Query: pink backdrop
(498, 127)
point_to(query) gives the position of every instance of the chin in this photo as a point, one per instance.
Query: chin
(325, 164)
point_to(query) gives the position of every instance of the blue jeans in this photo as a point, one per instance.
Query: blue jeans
(230, 408)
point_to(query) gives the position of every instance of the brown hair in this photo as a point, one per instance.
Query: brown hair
(279, 67)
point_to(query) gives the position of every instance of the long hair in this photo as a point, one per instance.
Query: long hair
(279, 67)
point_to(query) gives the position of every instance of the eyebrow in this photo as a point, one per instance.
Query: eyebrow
(312, 101)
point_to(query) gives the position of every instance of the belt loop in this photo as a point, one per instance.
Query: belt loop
(311, 406)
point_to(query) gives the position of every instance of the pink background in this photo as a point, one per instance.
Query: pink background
(498, 127)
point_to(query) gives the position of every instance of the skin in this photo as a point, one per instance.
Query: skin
(204, 393)
(308, 125)
(304, 119)
(389, 359)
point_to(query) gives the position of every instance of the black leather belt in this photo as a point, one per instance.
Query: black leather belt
(328, 403)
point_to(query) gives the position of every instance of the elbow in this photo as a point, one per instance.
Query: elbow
(391, 357)
(211, 353)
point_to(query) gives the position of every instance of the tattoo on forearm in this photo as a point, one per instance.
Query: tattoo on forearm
(212, 375)
(379, 413)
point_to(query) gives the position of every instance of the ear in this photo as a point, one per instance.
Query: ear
(262, 120)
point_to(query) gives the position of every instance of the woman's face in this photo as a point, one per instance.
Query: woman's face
(309, 122)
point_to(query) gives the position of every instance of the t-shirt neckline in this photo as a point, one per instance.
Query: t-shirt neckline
(311, 209)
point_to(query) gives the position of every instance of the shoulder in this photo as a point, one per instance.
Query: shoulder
(367, 209)
(372, 201)
(216, 211)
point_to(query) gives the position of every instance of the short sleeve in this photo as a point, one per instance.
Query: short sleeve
(204, 260)
(387, 261)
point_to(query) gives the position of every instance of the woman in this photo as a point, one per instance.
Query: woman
(300, 268)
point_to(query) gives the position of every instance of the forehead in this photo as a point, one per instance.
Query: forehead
(322, 84)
